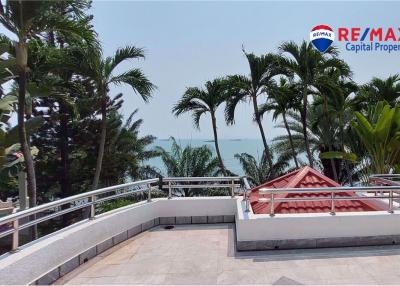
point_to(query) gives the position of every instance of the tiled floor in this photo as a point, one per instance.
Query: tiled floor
(204, 254)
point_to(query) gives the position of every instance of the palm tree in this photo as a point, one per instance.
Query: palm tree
(378, 90)
(318, 133)
(103, 75)
(262, 70)
(201, 101)
(126, 150)
(334, 97)
(189, 162)
(73, 9)
(27, 20)
(259, 172)
(309, 66)
(281, 99)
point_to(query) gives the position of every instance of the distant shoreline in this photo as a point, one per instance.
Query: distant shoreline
(208, 140)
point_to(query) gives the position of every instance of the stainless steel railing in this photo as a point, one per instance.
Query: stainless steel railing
(331, 195)
(172, 183)
(385, 179)
(91, 199)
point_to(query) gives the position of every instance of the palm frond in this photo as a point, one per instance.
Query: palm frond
(137, 81)
(121, 55)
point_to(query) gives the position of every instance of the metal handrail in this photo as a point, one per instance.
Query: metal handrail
(265, 191)
(385, 179)
(200, 179)
(216, 183)
(394, 176)
(331, 195)
(57, 203)
(91, 199)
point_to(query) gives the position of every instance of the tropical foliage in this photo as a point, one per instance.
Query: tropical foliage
(102, 72)
(202, 101)
(191, 161)
(249, 88)
(27, 20)
(70, 135)
(379, 132)
(59, 87)
(258, 171)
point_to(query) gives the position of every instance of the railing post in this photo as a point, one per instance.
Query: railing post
(391, 202)
(149, 193)
(247, 204)
(92, 207)
(15, 235)
(233, 188)
(333, 210)
(272, 202)
(169, 190)
(246, 195)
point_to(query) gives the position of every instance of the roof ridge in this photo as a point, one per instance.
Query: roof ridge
(300, 174)
(277, 179)
(298, 177)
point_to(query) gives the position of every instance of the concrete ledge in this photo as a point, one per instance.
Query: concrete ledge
(167, 220)
(183, 220)
(317, 242)
(69, 266)
(104, 245)
(148, 224)
(49, 278)
(199, 219)
(134, 231)
(87, 255)
(229, 218)
(215, 219)
(120, 237)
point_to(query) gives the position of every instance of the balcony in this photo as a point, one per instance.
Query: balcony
(204, 240)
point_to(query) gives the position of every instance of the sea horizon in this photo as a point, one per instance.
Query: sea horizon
(228, 148)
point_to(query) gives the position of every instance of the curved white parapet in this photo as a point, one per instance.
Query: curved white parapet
(50, 257)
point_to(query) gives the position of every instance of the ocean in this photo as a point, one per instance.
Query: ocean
(228, 148)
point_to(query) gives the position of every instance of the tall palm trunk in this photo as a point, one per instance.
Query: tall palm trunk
(100, 154)
(346, 163)
(64, 179)
(303, 115)
(22, 63)
(290, 139)
(22, 59)
(267, 151)
(214, 125)
(333, 165)
(64, 152)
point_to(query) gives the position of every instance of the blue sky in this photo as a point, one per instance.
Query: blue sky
(188, 43)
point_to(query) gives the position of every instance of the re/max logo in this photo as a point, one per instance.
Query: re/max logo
(369, 34)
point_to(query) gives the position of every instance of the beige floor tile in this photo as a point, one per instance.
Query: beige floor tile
(204, 254)
(102, 270)
(196, 278)
(243, 277)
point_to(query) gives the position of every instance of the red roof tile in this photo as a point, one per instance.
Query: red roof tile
(307, 177)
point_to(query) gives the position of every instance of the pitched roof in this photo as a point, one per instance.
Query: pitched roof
(307, 177)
